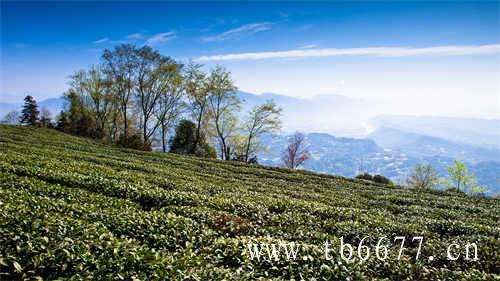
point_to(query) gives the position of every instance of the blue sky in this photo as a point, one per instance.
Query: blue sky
(430, 58)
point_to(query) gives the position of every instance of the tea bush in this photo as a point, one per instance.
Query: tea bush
(71, 208)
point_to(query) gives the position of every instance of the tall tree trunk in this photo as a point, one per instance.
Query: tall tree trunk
(125, 123)
(198, 132)
(225, 155)
(248, 148)
(163, 136)
(144, 132)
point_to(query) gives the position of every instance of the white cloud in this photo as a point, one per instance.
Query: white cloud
(102, 40)
(108, 41)
(134, 36)
(244, 29)
(310, 46)
(160, 38)
(372, 51)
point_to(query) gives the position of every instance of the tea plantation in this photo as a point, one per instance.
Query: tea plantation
(71, 208)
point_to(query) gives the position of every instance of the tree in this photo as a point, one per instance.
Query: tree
(95, 93)
(30, 112)
(154, 78)
(11, 118)
(422, 177)
(295, 154)
(45, 118)
(197, 92)
(262, 119)
(76, 119)
(170, 105)
(223, 103)
(184, 141)
(120, 65)
(461, 179)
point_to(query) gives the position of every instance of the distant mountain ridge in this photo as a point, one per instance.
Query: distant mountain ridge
(422, 145)
(334, 114)
(350, 156)
(478, 132)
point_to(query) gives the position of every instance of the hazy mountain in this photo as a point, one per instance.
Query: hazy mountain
(334, 114)
(425, 146)
(349, 156)
(479, 132)
(54, 105)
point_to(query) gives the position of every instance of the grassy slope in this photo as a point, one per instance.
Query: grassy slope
(70, 207)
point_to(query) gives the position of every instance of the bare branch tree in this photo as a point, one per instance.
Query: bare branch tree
(154, 80)
(295, 154)
(11, 118)
(120, 65)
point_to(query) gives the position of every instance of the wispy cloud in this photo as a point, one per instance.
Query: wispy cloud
(160, 38)
(108, 41)
(102, 40)
(375, 51)
(310, 46)
(235, 32)
(134, 36)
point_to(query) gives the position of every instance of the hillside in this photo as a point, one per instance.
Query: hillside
(74, 208)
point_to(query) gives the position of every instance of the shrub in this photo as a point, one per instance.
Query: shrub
(133, 141)
(365, 176)
(376, 178)
(184, 141)
(381, 179)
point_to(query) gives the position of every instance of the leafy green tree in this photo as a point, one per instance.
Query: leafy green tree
(170, 105)
(223, 103)
(262, 119)
(422, 177)
(76, 118)
(95, 93)
(29, 114)
(184, 141)
(461, 179)
(198, 91)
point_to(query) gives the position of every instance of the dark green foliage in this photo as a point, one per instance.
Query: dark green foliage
(185, 138)
(376, 178)
(133, 141)
(30, 112)
(253, 159)
(455, 190)
(365, 176)
(76, 119)
(71, 208)
(381, 179)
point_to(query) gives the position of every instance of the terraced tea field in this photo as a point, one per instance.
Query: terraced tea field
(77, 209)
